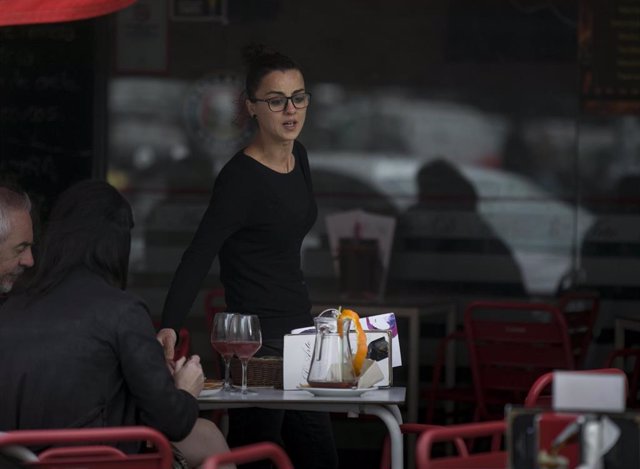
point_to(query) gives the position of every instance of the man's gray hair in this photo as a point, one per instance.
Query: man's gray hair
(10, 200)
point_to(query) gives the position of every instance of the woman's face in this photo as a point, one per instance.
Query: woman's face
(284, 125)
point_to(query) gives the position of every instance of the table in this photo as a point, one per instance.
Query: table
(413, 311)
(382, 403)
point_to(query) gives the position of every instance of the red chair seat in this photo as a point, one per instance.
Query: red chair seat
(493, 460)
(250, 453)
(88, 449)
(511, 344)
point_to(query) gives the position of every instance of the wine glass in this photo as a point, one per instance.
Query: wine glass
(220, 342)
(246, 339)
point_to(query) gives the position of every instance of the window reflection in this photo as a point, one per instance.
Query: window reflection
(536, 190)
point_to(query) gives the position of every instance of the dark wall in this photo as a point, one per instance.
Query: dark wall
(490, 51)
(52, 105)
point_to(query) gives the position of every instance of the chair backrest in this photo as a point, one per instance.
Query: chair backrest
(415, 429)
(437, 391)
(184, 342)
(511, 344)
(87, 448)
(580, 309)
(487, 460)
(214, 303)
(250, 453)
(539, 394)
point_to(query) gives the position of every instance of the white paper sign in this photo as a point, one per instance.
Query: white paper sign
(597, 392)
(383, 322)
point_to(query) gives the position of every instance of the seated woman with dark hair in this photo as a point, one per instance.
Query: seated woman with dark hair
(78, 351)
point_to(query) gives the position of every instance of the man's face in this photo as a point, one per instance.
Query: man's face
(15, 251)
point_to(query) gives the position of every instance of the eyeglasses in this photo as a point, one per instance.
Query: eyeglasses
(279, 103)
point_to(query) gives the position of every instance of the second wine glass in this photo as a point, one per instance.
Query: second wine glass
(246, 339)
(220, 341)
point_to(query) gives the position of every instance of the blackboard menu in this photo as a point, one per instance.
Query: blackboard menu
(609, 56)
(48, 105)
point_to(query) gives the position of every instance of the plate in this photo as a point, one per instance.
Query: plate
(213, 383)
(209, 392)
(336, 392)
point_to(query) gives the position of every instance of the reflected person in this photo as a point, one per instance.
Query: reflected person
(445, 222)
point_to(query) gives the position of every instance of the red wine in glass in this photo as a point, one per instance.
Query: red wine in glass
(246, 339)
(246, 350)
(220, 341)
(224, 348)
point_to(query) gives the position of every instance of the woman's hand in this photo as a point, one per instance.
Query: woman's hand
(189, 376)
(167, 338)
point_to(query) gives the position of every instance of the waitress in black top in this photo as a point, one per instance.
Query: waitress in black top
(261, 208)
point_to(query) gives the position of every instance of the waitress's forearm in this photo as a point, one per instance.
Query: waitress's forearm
(184, 288)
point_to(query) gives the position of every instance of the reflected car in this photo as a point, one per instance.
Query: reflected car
(541, 231)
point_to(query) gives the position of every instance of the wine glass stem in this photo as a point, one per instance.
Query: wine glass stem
(244, 376)
(227, 378)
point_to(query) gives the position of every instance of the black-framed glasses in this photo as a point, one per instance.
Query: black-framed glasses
(279, 103)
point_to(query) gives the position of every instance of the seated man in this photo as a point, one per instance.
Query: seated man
(78, 351)
(16, 237)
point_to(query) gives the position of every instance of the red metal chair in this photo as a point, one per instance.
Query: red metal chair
(536, 398)
(97, 455)
(184, 342)
(250, 453)
(580, 309)
(511, 344)
(634, 374)
(550, 426)
(460, 393)
(213, 304)
(464, 459)
(412, 428)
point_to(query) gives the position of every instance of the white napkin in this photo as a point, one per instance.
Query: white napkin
(371, 374)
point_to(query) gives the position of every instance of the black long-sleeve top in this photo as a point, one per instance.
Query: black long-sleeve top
(256, 221)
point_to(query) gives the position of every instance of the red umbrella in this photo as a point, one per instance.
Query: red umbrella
(52, 11)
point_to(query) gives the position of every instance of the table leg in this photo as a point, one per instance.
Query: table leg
(390, 418)
(395, 411)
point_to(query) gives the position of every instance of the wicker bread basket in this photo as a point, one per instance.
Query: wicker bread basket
(261, 371)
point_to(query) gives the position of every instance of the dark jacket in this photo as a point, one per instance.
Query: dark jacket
(85, 355)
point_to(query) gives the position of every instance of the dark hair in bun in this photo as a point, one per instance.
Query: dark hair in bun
(262, 60)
